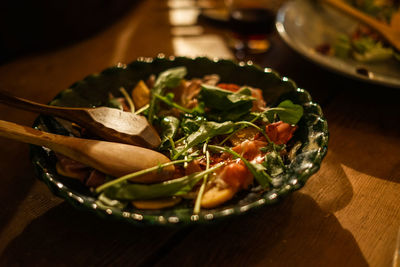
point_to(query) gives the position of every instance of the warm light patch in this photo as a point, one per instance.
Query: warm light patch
(206, 45)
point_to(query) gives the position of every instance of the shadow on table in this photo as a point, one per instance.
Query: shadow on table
(15, 183)
(295, 232)
(67, 237)
(364, 130)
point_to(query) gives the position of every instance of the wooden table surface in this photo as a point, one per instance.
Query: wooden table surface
(348, 214)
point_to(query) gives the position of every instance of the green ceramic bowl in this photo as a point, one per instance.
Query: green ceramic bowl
(94, 89)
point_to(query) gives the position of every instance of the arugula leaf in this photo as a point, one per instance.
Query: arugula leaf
(167, 79)
(207, 130)
(287, 111)
(170, 78)
(175, 187)
(169, 128)
(192, 124)
(229, 115)
(220, 99)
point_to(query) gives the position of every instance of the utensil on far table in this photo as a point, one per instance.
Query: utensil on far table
(115, 159)
(108, 123)
(391, 32)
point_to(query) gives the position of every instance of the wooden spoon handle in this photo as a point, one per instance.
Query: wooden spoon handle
(342, 6)
(32, 136)
(111, 158)
(21, 103)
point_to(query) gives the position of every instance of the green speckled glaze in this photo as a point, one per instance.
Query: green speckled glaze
(93, 91)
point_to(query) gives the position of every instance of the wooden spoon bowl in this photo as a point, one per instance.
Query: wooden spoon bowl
(108, 123)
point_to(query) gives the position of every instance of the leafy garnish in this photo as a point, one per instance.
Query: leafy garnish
(138, 173)
(287, 111)
(199, 197)
(167, 79)
(191, 124)
(169, 128)
(206, 131)
(175, 187)
(220, 99)
(226, 105)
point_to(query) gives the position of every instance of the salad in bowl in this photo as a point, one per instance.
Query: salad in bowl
(237, 137)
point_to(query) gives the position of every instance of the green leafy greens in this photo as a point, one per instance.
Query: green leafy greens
(225, 105)
(167, 79)
(206, 131)
(175, 187)
(287, 111)
(219, 115)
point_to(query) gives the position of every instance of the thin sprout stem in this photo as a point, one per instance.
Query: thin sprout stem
(172, 142)
(180, 152)
(185, 164)
(205, 147)
(142, 109)
(180, 140)
(128, 99)
(173, 104)
(138, 173)
(199, 197)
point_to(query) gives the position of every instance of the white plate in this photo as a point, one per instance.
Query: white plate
(304, 24)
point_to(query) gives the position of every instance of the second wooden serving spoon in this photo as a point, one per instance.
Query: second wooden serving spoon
(391, 32)
(111, 158)
(108, 123)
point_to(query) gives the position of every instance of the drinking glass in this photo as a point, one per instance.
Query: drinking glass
(251, 21)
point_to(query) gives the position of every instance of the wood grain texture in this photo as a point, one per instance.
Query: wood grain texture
(346, 215)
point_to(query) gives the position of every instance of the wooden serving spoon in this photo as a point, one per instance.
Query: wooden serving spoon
(108, 123)
(390, 32)
(115, 159)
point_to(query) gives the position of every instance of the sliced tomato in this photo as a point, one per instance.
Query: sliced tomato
(236, 175)
(280, 132)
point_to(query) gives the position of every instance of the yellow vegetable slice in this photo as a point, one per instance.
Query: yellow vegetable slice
(215, 196)
(141, 95)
